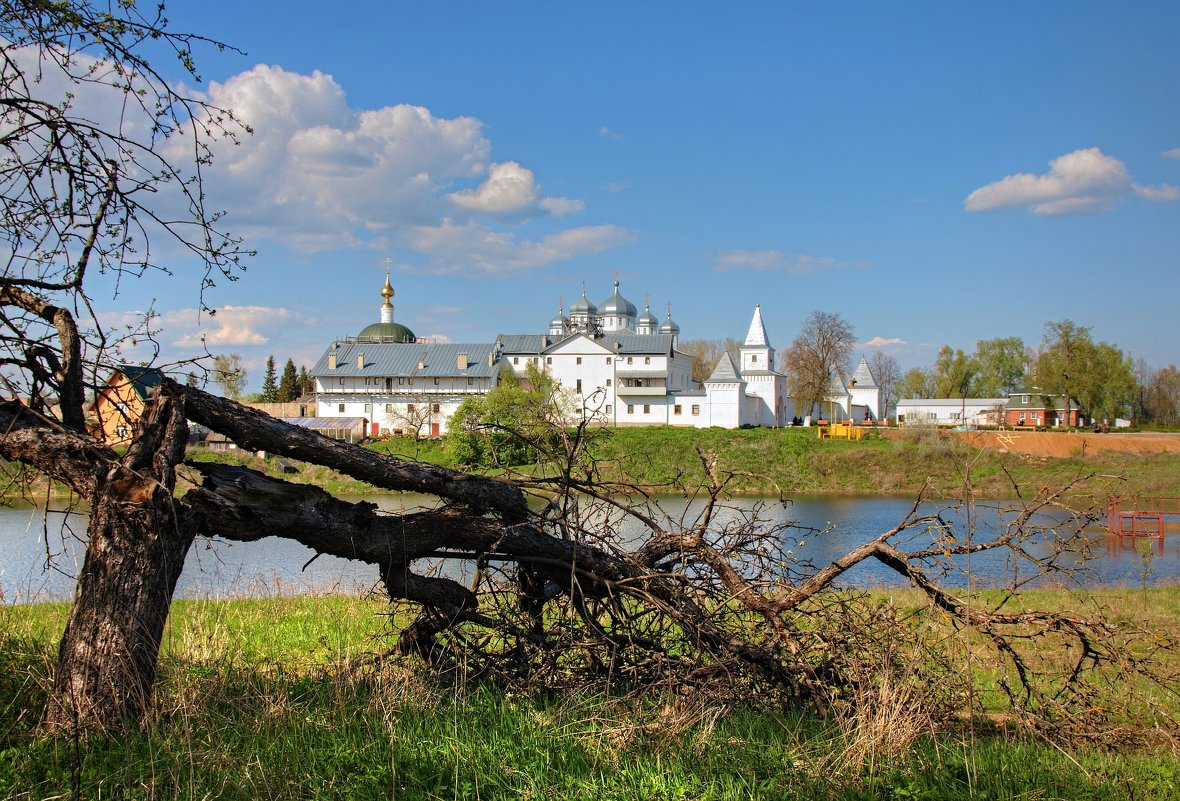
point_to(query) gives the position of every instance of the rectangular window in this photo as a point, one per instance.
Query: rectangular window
(1024, 398)
(548, 360)
(608, 359)
(647, 360)
(409, 408)
(401, 382)
(579, 361)
(676, 409)
(368, 408)
(436, 382)
(608, 408)
(629, 360)
(389, 408)
(470, 381)
(630, 409)
(434, 408)
(578, 388)
(696, 410)
(340, 408)
(753, 358)
(608, 382)
(516, 360)
(646, 409)
(341, 382)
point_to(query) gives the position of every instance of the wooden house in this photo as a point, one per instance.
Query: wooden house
(119, 402)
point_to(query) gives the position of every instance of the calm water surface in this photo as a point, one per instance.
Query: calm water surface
(41, 551)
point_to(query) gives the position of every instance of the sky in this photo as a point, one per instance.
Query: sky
(936, 173)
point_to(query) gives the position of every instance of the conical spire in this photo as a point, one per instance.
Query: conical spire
(757, 335)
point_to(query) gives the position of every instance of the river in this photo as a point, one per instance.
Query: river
(41, 551)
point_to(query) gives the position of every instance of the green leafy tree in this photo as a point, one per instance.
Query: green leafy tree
(513, 423)
(270, 388)
(1098, 376)
(289, 384)
(306, 383)
(1003, 366)
(954, 373)
(917, 382)
(230, 374)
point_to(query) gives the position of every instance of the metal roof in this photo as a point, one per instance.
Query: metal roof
(724, 372)
(325, 423)
(407, 359)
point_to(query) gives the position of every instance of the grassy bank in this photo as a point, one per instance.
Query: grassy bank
(275, 698)
(795, 461)
(792, 460)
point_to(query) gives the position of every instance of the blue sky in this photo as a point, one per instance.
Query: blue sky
(937, 173)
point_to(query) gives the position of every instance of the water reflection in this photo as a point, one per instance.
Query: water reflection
(41, 551)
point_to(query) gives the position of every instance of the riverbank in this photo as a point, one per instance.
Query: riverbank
(794, 461)
(281, 698)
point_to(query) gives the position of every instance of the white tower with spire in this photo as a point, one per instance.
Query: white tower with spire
(756, 352)
(765, 387)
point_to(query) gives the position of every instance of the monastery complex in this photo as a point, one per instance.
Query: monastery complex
(621, 364)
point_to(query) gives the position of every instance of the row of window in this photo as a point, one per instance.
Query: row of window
(549, 360)
(677, 409)
(410, 408)
(401, 382)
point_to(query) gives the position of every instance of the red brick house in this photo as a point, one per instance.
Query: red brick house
(1032, 407)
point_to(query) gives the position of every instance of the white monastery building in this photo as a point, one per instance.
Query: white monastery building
(620, 364)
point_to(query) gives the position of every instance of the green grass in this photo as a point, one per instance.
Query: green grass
(273, 698)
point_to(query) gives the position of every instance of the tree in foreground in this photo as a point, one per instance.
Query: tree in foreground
(89, 185)
(576, 581)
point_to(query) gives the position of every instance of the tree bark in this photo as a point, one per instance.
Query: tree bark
(134, 556)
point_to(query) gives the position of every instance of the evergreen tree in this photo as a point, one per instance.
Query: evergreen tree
(270, 390)
(306, 383)
(289, 383)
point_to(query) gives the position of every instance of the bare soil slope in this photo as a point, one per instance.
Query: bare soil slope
(1062, 444)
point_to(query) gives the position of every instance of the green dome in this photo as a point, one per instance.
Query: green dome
(387, 332)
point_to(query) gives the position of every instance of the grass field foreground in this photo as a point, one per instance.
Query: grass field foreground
(280, 698)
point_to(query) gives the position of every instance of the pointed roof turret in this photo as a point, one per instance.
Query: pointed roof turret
(725, 372)
(757, 334)
(863, 376)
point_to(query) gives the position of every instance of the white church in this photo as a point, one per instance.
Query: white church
(621, 365)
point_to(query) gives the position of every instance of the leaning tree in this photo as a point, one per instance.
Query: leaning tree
(573, 575)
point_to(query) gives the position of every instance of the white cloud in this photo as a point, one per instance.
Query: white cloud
(1174, 154)
(317, 174)
(1081, 182)
(473, 247)
(561, 206)
(884, 342)
(607, 133)
(777, 261)
(229, 327)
